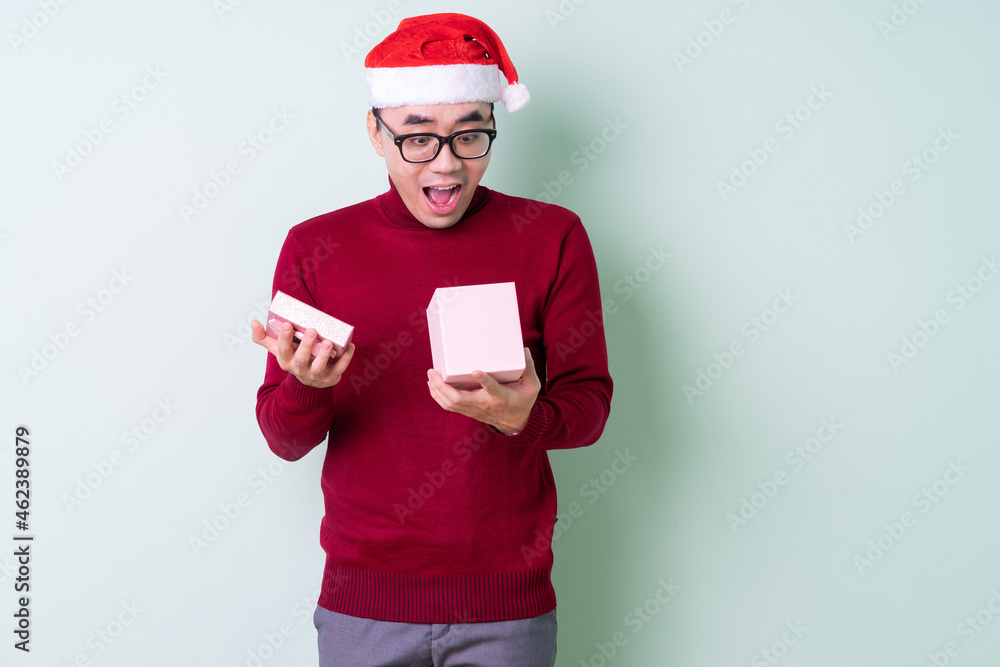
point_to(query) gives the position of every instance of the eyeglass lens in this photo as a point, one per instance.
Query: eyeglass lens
(467, 144)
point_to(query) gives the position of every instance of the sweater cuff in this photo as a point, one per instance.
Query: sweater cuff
(301, 397)
(534, 430)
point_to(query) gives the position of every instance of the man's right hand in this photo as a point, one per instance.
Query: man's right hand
(308, 369)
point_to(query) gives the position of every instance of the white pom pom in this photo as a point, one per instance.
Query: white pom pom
(514, 97)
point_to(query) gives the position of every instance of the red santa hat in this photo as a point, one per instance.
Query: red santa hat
(442, 59)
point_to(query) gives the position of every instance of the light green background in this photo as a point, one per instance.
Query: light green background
(596, 70)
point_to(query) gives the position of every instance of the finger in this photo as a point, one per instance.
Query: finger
(434, 381)
(321, 350)
(284, 347)
(440, 400)
(305, 349)
(331, 373)
(259, 334)
(437, 396)
(441, 391)
(434, 378)
(341, 363)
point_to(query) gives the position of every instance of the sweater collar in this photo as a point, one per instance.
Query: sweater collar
(390, 205)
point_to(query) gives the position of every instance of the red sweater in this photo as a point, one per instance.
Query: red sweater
(431, 516)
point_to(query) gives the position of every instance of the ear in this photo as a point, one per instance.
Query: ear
(375, 134)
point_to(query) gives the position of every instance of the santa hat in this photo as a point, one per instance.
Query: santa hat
(442, 59)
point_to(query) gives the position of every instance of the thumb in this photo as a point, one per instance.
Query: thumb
(529, 365)
(257, 331)
(258, 334)
(487, 381)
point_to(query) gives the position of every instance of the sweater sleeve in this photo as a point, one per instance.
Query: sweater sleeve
(575, 401)
(293, 417)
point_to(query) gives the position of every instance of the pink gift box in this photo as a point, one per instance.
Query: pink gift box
(285, 308)
(476, 327)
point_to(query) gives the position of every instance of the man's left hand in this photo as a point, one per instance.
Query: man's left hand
(504, 406)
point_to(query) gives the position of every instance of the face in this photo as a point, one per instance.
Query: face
(438, 192)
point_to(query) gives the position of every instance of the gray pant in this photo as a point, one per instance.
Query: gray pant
(347, 641)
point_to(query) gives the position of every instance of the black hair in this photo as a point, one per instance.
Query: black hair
(375, 111)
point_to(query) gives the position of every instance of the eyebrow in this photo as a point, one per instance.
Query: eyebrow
(416, 119)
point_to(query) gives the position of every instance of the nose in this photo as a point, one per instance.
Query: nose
(446, 161)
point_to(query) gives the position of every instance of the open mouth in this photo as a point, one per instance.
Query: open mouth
(442, 199)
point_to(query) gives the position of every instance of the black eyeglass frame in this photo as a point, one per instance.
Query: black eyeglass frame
(398, 140)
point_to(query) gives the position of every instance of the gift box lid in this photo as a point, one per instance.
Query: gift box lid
(285, 308)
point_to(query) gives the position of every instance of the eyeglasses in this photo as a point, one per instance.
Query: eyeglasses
(424, 146)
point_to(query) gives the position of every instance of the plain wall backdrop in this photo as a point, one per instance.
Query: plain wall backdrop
(793, 211)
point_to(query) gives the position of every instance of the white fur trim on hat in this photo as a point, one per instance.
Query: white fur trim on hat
(432, 84)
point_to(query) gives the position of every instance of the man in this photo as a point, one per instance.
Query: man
(440, 502)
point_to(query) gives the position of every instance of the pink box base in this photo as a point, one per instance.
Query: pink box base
(476, 327)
